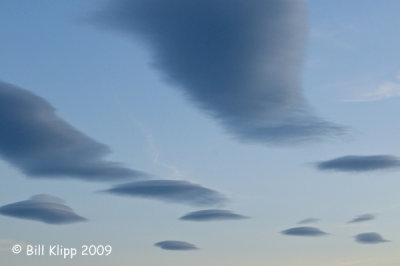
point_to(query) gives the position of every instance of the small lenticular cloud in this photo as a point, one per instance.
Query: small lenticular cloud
(43, 208)
(370, 238)
(175, 245)
(304, 231)
(357, 163)
(177, 191)
(362, 218)
(308, 221)
(212, 215)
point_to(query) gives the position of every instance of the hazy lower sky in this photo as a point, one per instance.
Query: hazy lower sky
(214, 132)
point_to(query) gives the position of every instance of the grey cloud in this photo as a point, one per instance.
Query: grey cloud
(43, 208)
(239, 61)
(370, 238)
(171, 191)
(308, 221)
(175, 245)
(357, 163)
(211, 215)
(362, 218)
(304, 231)
(41, 144)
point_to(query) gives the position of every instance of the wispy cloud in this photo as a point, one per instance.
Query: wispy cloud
(43, 208)
(308, 221)
(358, 163)
(175, 245)
(212, 215)
(304, 231)
(240, 61)
(386, 90)
(370, 238)
(171, 191)
(41, 144)
(362, 218)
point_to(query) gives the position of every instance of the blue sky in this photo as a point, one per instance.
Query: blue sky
(101, 80)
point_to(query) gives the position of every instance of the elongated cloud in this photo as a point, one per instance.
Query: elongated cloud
(370, 238)
(308, 221)
(41, 144)
(362, 218)
(304, 231)
(239, 61)
(386, 90)
(356, 163)
(212, 215)
(175, 245)
(171, 191)
(43, 208)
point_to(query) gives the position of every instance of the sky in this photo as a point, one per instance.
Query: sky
(196, 133)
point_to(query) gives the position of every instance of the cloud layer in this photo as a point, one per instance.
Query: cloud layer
(41, 144)
(43, 208)
(240, 61)
(304, 231)
(370, 238)
(356, 163)
(212, 215)
(362, 218)
(171, 191)
(175, 245)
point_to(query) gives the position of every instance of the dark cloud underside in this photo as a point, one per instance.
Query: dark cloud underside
(212, 215)
(304, 231)
(171, 191)
(43, 208)
(41, 144)
(240, 61)
(370, 238)
(175, 245)
(356, 163)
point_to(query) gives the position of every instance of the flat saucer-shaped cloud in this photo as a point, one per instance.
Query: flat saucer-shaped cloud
(308, 221)
(43, 208)
(171, 191)
(212, 215)
(240, 61)
(304, 231)
(175, 245)
(36, 140)
(357, 163)
(362, 218)
(370, 238)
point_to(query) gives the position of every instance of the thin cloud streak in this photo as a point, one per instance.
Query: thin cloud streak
(386, 90)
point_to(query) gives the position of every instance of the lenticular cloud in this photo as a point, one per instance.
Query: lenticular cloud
(240, 61)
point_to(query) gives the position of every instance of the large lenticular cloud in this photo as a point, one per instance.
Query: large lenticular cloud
(240, 61)
(41, 144)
